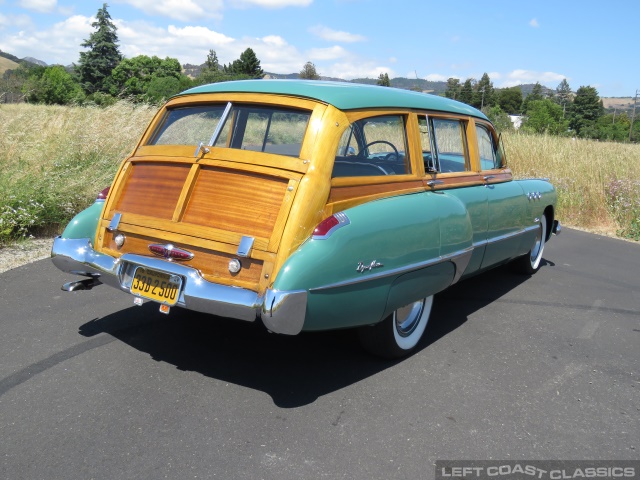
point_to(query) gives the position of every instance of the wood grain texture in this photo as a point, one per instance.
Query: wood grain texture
(236, 201)
(214, 266)
(153, 189)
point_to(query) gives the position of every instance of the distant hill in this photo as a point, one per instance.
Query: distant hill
(8, 56)
(34, 61)
(6, 64)
(11, 62)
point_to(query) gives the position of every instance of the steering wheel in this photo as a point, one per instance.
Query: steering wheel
(387, 158)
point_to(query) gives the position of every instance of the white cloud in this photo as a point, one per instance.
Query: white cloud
(41, 6)
(331, 53)
(436, 77)
(13, 21)
(58, 44)
(518, 77)
(331, 35)
(360, 69)
(183, 10)
(534, 23)
(188, 44)
(271, 3)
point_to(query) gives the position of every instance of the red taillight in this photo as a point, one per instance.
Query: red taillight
(103, 194)
(329, 225)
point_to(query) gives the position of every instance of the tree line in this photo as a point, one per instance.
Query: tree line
(103, 75)
(561, 112)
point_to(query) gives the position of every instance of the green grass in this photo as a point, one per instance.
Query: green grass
(54, 160)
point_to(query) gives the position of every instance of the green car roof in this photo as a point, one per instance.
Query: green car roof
(342, 95)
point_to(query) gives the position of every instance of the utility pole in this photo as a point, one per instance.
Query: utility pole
(633, 115)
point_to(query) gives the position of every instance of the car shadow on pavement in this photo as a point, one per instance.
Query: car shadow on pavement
(293, 370)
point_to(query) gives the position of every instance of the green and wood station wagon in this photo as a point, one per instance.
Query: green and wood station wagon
(310, 206)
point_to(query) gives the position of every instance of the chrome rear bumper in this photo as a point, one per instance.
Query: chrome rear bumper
(281, 312)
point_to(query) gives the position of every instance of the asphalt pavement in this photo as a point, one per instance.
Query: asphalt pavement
(512, 367)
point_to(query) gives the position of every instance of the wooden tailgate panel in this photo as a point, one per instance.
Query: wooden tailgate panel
(153, 189)
(236, 201)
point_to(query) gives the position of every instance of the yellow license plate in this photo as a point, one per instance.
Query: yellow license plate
(161, 287)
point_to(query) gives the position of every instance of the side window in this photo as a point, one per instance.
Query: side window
(373, 146)
(450, 145)
(486, 148)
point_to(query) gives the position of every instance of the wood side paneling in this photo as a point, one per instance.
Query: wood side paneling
(340, 193)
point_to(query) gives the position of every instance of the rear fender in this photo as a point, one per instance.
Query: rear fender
(356, 275)
(85, 223)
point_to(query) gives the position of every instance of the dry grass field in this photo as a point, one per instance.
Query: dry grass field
(54, 160)
(598, 183)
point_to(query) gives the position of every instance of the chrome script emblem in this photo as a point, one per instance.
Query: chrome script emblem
(362, 267)
(170, 252)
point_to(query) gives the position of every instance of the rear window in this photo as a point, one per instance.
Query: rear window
(246, 127)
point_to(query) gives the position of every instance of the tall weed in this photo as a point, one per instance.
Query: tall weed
(597, 182)
(55, 159)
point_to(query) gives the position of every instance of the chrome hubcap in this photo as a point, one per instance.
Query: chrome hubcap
(408, 317)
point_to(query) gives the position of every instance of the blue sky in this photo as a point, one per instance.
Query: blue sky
(514, 42)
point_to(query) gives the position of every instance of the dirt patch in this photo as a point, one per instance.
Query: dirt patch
(27, 251)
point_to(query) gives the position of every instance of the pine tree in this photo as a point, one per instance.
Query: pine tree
(453, 88)
(212, 63)
(96, 64)
(535, 95)
(563, 95)
(466, 92)
(585, 111)
(309, 72)
(247, 64)
(484, 94)
(383, 80)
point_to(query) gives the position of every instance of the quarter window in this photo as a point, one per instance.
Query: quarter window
(486, 148)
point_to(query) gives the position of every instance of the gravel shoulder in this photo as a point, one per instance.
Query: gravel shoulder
(27, 251)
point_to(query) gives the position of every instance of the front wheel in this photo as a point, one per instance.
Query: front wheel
(530, 263)
(398, 334)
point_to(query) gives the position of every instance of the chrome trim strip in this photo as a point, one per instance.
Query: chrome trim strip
(508, 236)
(460, 259)
(285, 313)
(115, 221)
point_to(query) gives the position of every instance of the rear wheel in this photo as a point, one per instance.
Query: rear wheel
(399, 333)
(530, 263)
